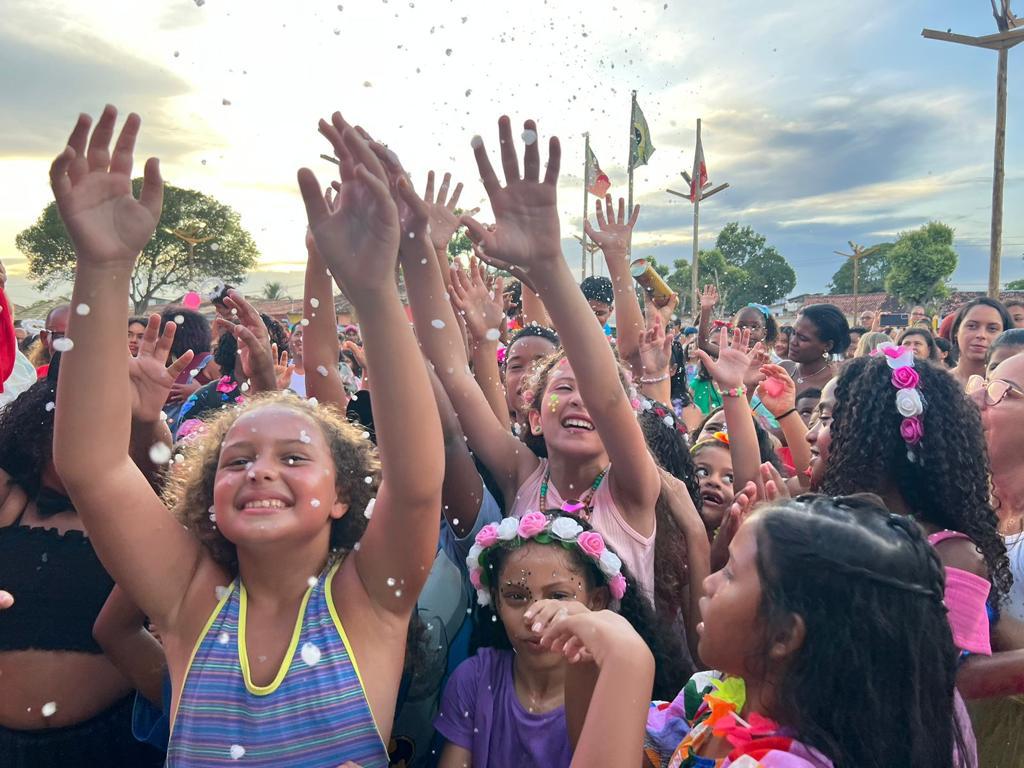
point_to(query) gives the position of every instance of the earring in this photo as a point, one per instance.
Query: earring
(536, 429)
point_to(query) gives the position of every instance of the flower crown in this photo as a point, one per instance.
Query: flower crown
(909, 402)
(718, 438)
(536, 526)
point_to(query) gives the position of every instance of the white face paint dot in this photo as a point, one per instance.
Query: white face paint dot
(437, 323)
(50, 406)
(237, 751)
(82, 309)
(314, 503)
(314, 303)
(493, 334)
(49, 709)
(179, 319)
(310, 654)
(223, 638)
(63, 344)
(322, 370)
(160, 453)
(529, 137)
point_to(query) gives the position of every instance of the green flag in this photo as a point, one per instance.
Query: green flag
(640, 147)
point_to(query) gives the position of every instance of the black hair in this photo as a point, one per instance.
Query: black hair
(679, 386)
(786, 329)
(26, 432)
(859, 329)
(138, 320)
(771, 327)
(933, 351)
(944, 345)
(811, 393)
(671, 661)
(1013, 303)
(981, 301)
(764, 441)
(874, 600)
(514, 291)
(946, 485)
(25, 344)
(193, 330)
(598, 288)
(831, 325)
(225, 354)
(277, 333)
(535, 330)
(1014, 337)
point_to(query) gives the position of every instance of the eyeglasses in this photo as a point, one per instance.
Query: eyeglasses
(995, 390)
(54, 334)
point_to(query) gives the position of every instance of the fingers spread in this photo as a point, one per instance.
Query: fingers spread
(99, 145)
(152, 194)
(554, 161)
(509, 160)
(121, 160)
(531, 156)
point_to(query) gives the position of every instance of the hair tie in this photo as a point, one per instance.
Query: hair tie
(766, 311)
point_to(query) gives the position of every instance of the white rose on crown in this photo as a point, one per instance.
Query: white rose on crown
(610, 563)
(908, 403)
(565, 528)
(508, 528)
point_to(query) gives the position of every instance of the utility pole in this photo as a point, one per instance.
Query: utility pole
(1007, 37)
(859, 252)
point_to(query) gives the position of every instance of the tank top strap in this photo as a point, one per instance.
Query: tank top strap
(940, 536)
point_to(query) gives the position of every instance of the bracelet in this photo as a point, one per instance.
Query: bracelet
(787, 413)
(655, 380)
(739, 391)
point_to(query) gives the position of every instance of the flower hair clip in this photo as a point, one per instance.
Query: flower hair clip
(909, 402)
(536, 526)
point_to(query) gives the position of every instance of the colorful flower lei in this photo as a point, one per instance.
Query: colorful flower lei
(536, 526)
(909, 401)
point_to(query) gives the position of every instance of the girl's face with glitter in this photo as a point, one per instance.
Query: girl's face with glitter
(540, 572)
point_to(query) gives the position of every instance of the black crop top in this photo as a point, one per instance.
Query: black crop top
(59, 587)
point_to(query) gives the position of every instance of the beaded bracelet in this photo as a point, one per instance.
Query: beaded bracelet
(739, 391)
(655, 380)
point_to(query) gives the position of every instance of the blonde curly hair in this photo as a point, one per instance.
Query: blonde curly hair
(188, 492)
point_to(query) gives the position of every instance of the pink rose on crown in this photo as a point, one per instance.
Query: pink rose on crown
(592, 543)
(531, 524)
(617, 586)
(487, 536)
(911, 430)
(905, 378)
(897, 357)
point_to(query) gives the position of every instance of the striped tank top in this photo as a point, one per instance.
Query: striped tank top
(314, 713)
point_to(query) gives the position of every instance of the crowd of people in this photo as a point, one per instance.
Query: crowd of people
(503, 534)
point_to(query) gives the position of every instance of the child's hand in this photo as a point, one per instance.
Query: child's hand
(359, 240)
(593, 636)
(614, 232)
(151, 376)
(282, 368)
(544, 612)
(777, 391)
(756, 359)
(443, 221)
(775, 488)
(730, 370)
(664, 308)
(655, 349)
(734, 518)
(709, 297)
(254, 351)
(93, 190)
(526, 231)
(480, 307)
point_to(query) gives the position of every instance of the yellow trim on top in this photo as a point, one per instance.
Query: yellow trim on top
(199, 641)
(286, 662)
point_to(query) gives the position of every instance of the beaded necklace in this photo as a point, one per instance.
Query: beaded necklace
(578, 507)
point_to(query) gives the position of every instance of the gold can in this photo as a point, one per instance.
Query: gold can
(645, 274)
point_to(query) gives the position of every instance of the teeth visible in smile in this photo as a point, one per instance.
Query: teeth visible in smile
(266, 504)
(577, 423)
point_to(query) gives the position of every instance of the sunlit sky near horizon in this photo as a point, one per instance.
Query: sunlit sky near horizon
(831, 120)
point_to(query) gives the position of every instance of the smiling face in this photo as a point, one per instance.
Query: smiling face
(977, 331)
(275, 480)
(295, 344)
(820, 435)
(521, 355)
(713, 463)
(751, 319)
(562, 417)
(805, 346)
(540, 572)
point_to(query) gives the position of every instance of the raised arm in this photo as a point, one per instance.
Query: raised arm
(705, 338)
(359, 242)
(613, 235)
(444, 221)
(141, 545)
(527, 233)
(778, 393)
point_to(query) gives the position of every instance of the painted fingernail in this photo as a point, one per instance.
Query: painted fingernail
(537, 626)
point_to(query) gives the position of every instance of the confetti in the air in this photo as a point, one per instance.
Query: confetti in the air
(82, 309)
(310, 654)
(160, 453)
(63, 344)
(49, 709)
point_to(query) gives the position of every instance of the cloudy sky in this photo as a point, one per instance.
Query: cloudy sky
(831, 120)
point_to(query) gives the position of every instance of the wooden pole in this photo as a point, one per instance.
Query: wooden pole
(856, 283)
(694, 278)
(998, 172)
(586, 201)
(629, 165)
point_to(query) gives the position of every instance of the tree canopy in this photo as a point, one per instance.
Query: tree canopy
(921, 262)
(220, 247)
(874, 268)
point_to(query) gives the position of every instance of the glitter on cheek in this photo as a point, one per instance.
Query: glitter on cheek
(554, 403)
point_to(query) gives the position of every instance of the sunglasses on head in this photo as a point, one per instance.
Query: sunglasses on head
(995, 390)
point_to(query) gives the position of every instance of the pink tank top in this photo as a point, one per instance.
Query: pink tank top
(636, 551)
(965, 599)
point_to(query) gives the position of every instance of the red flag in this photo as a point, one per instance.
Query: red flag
(700, 172)
(597, 181)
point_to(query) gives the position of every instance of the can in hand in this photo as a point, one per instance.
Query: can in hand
(645, 274)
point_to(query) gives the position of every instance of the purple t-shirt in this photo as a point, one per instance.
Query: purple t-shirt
(481, 712)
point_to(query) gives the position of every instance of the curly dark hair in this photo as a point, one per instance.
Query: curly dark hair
(225, 354)
(672, 667)
(598, 288)
(538, 331)
(947, 483)
(869, 589)
(680, 387)
(26, 432)
(278, 335)
(193, 330)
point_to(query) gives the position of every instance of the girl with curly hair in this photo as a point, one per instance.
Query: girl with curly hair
(284, 628)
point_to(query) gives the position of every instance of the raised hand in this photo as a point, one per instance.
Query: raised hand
(775, 488)
(734, 517)
(778, 390)
(665, 308)
(734, 356)
(254, 351)
(479, 305)
(359, 239)
(93, 190)
(526, 231)
(282, 368)
(591, 636)
(615, 231)
(655, 349)
(708, 297)
(151, 376)
(441, 208)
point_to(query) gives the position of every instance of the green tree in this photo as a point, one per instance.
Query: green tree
(274, 291)
(921, 262)
(713, 269)
(226, 251)
(1015, 285)
(764, 274)
(874, 268)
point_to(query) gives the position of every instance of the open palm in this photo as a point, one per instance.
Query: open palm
(614, 232)
(730, 369)
(93, 190)
(150, 375)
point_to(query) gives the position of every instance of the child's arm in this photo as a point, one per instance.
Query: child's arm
(359, 242)
(120, 631)
(613, 236)
(140, 544)
(728, 372)
(654, 353)
(778, 393)
(454, 756)
(527, 234)
(698, 551)
(705, 339)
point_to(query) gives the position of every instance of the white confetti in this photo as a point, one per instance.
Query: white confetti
(365, 435)
(311, 581)
(368, 480)
(437, 323)
(322, 370)
(314, 503)
(221, 592)
(179, 319)
(194, 372)
(214, 246)
(160, 453)
(476, 142)
(50, 406)
(63, 344)
(82, 309)
(493, 334)
(223, 638)
(244, 386)
(391, 581)
(398, 593)
(669, 421)
(304, 437)
(237, 750)
(304, 322)
(49, 709)
(530, 137)
(310, 654)
(314, 302)
(368, 512)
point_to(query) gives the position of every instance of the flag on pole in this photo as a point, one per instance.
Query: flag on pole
(640, 147)
(597, 180)
(699, 177)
